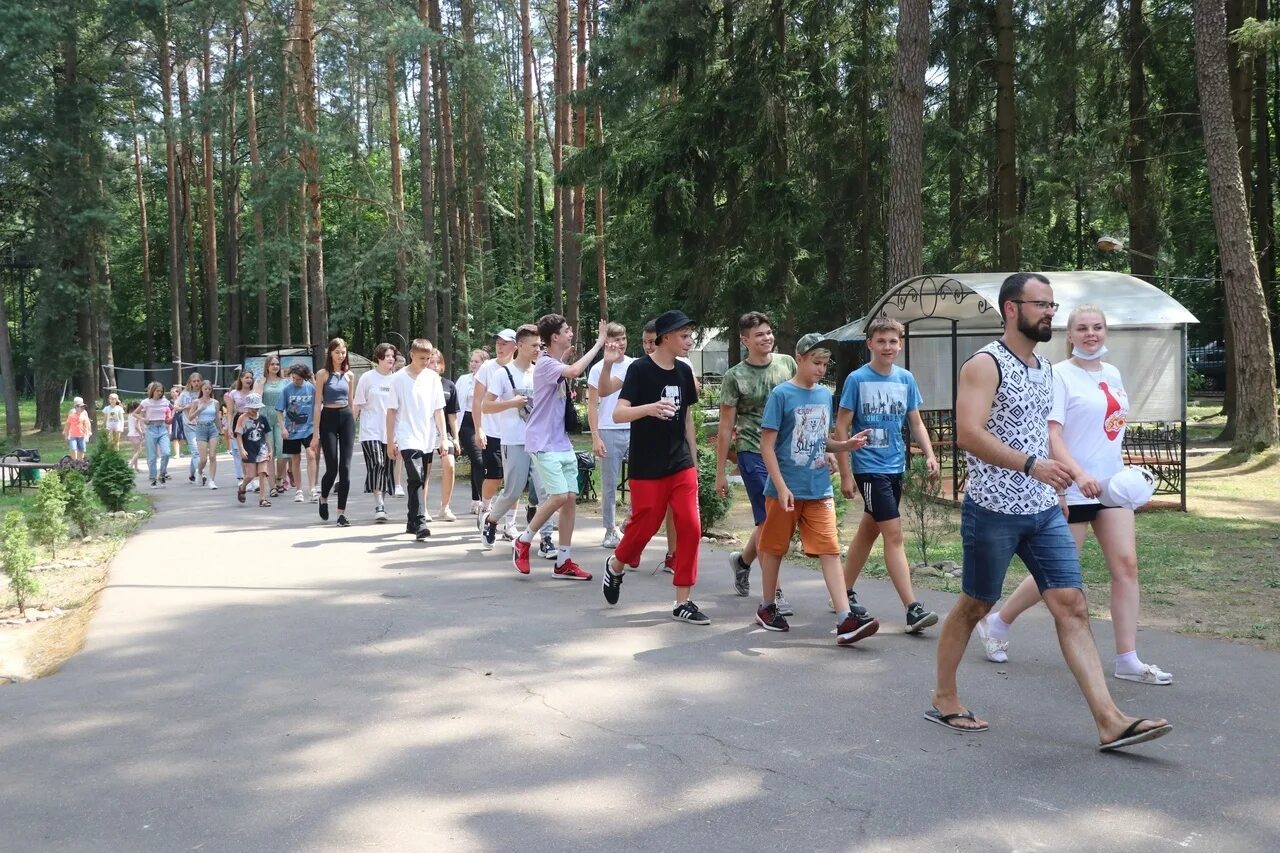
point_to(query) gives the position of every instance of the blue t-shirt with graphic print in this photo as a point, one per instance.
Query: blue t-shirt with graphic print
(880, 403)
(802, 419)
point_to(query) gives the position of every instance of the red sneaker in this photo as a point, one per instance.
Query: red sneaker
(669, 564)
(520, 555)
(571, 571)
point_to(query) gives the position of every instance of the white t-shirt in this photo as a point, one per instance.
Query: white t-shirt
(509, 420)
(484, 376)
(609, 403)
(466, 385)
(1093, 409)
(416, 401)
(372, 392)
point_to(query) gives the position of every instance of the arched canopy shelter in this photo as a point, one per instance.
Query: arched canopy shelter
(949, 317)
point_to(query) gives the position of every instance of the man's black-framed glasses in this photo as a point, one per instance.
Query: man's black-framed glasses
(1039, 303)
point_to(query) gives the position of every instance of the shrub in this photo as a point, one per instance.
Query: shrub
(80, 509)
(711, 507)
(18, 556)
(49, 522)
(923, 513)
(113, 482)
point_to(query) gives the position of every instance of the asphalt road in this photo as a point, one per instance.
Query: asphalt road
(255, 680)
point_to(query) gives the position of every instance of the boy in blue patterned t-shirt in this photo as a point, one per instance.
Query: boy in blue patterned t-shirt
(881, 397)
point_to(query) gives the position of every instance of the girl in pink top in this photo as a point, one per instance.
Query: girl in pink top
(77, 430)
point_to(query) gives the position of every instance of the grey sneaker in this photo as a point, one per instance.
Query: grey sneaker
(784, 609)
(611, 539)
(918, 618)
(741, 574)
(854, 607)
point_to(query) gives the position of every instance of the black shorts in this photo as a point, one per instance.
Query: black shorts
(1084, 513)
(880, 494)
(492, 457)
(294, 446)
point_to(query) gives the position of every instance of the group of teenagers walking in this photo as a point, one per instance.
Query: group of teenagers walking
(1042, 441)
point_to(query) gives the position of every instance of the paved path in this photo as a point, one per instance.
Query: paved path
(255, 681)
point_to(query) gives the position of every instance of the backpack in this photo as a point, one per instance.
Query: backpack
(572, 425)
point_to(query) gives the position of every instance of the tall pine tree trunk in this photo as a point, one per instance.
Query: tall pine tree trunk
(1143, 223)
(1263, 202)
(602, 281)
(955, 121)
(176, 272)
(144, 235)
(426, 180)
(1256, 423)
(231, 205)
(256, 176)
(564, 197)
(309, 157)
(526, 53)
(208, 226)
(906, 143)
(400, 275)
(8, 380)
(1006, 141)
(186, 169)
(448, 192)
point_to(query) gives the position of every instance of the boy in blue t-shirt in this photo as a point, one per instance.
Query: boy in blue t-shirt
(794, 446)
(296, 410)
(879, 398)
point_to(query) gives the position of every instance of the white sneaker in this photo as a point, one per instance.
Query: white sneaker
(448, 515)
(297, 497)
(611, 539)
(1149, 674)
(994, 650)
(475, 507)
(399, 491)
(510, 531)
(212, 484)
(253, 486)
(380, 514)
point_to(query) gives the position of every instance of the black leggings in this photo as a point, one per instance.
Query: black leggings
(337, 435)
(467, 435)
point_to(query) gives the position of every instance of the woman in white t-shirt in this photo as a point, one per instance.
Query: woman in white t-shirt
(371, 409)
(1086, 433)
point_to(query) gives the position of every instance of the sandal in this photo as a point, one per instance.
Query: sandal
(240, 494)
(264, 502)
(1131, 736)
(275, 493)
(933, 715)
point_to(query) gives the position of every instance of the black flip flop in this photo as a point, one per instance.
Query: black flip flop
(1132, 736)
(240, 495)
(933, 715)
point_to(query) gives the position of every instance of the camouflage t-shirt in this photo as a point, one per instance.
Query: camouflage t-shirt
(747, 387)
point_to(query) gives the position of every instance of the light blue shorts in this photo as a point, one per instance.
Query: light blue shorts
(558, 470)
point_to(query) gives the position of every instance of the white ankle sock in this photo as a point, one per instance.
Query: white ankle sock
(562, 557)
(997, 628)
(1128, 662)
(527, 536)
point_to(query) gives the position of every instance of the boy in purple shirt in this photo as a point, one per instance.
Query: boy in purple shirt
(547, 441)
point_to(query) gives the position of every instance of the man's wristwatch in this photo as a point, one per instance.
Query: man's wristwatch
(1028, 465)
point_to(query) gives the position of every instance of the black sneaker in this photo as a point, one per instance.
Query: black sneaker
(324, 511)
(689, 612)
(342, 521)
(192, 479)
(918, 618)
(767, 617)
(856, 628)
(612, 584)
(489, 533)
(741, 574)
(547, 549)
(854, 607)
(422, 532)
(153, 484)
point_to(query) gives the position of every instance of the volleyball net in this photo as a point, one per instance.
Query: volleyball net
(133, 381)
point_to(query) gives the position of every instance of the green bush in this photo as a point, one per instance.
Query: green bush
(113, 482)
(923, 514)
(49, 521)
(80, 507)
(18, 556)
(711, 507)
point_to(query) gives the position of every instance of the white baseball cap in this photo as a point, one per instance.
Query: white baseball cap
(1132, 488)
(78, 401)
(508, 335)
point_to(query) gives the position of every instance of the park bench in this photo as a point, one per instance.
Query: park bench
(18, 472)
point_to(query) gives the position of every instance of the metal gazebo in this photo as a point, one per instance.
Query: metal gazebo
(949, 317)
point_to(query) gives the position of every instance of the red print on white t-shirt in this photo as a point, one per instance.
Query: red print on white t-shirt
(1114, 420)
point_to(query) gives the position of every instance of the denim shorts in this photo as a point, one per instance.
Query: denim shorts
(76, 444)
(1043, 542)
(204, 432)
(558, 470)
(755, 477)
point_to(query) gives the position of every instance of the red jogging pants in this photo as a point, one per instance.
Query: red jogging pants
(649, 502)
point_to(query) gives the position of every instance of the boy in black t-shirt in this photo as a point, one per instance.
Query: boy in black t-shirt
(255, 448)
(657, 399)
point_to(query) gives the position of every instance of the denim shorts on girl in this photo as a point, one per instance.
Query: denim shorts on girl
(1042, 541)
(76, 444)
(204, 431)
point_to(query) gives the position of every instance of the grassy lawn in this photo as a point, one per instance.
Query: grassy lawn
(52, 445)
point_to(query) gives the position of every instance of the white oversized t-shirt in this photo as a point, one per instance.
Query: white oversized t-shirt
(509, 420)
(1093, 409)
(609, 403)
(416, 401)
(372, 392)
(484, 376)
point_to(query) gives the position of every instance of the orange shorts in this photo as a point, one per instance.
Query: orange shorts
(816, 520)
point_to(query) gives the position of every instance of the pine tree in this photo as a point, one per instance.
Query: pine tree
(49, 522)
(80, 509)
(18, 556)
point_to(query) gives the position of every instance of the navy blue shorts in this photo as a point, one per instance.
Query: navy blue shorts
(755, 477)
(881, 494)
(1042, 541)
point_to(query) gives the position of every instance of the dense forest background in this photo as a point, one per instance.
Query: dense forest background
(188, 180)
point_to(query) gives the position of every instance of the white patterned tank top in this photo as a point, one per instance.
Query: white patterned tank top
(1019, 418)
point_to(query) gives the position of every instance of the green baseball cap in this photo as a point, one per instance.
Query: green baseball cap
(816, 340)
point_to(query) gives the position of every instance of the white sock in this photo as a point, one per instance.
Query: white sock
(527, 536)
(562, 557)
(1128, 662)
(997, 627)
